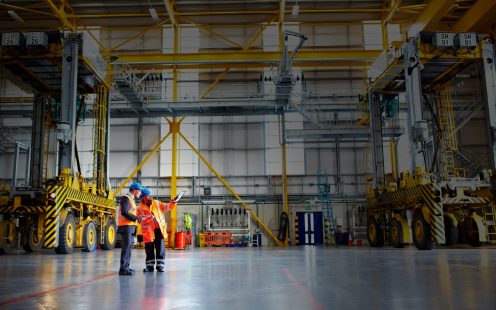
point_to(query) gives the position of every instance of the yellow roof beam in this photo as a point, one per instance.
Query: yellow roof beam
(156, 68)
(431, 14)
(247, 57)
(474, 15)
(393, 8)
(282, 10)
(62, 14)
(169, 7)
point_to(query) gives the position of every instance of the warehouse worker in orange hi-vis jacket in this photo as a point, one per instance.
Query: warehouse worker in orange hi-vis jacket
(154, 229)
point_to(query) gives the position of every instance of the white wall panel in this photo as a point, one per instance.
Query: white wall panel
(240, 163)
(394, 33)
(255, 162)
(124, 138)
(168, 41)
(271, 39)
(347, 161)
(190, 40)
(372, 34)
(121, 164)
(255, 136)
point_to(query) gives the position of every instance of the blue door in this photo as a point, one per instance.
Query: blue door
(310, 228)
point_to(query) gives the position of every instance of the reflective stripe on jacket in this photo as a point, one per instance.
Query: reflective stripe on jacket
(121, 219)
(157, 209)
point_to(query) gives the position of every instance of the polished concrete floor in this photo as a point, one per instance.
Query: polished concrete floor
(255, 278)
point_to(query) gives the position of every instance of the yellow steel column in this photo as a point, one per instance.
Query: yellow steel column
(224, 182)
(175, 73)
(385, 37)
(282, 5)
(174, 128)
(394, 158)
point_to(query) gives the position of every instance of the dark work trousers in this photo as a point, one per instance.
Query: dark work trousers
(155, 251)
(127, 233)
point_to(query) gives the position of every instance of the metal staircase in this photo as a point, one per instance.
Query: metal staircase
(472, 166)
(128, 84)
(325, 198)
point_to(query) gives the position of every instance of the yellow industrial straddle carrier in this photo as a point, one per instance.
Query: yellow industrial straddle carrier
(445, 205)
(66, 211)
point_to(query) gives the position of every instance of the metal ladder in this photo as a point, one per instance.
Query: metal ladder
(99, 147)
(489, 215)
(324, 189)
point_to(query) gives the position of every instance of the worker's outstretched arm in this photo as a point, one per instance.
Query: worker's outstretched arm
(166, 207)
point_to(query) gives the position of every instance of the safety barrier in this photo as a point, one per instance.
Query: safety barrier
(218, 238)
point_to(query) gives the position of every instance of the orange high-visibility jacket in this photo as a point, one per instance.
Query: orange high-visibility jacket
(123, 221)
(157, 209)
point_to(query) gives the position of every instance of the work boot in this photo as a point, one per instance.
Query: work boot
(126, 272)
(160, 269)
(148, 269)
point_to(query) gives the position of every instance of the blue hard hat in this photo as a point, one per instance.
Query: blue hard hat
(135, 185)
(145, 192)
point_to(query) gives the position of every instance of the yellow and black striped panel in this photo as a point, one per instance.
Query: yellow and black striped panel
(430, 194)
(87, 198)
(53, 211)
(22, 210)
(6, 209)
(64, 195)
(405, 194)
(466, 200)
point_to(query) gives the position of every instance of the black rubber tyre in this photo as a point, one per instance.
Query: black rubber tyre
(89, 237)
(110, 235)
(450, 231)
(472, 232)
(375, 234)
(32, 243)
(421, 231)
(396, 234)
(67, 235)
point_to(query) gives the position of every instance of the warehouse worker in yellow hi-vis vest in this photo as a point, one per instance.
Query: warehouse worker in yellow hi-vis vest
(127, 221)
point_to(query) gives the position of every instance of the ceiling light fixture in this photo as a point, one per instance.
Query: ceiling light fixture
(14, 15)
(153, 12)
(295, 10)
